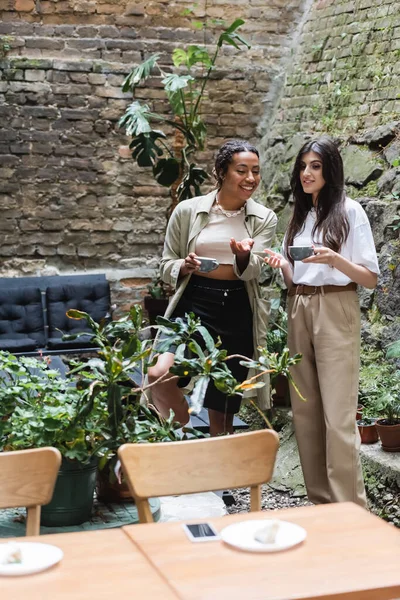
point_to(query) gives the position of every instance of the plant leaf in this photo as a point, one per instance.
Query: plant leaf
(140, 73)
(145, 149)
(136, 119)
(166, 171)
(190, 184)
(229, 36)
(198, 55)
(197, 396)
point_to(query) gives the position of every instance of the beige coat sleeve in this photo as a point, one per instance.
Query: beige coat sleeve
(172, 260)
(262, 237)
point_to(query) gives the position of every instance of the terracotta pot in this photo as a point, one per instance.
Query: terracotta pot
(390, 436)
(368, 433)
(359, 412)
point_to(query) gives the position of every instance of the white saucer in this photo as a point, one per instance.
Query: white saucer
(36, 557)
(241, 535)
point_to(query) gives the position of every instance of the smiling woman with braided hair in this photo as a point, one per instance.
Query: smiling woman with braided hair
(229, 226)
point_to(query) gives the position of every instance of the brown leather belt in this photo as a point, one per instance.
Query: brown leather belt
(310, 290)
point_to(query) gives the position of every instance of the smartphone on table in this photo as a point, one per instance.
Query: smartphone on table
(200, 532)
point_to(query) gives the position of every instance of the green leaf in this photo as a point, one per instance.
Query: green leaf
(235, 25)
(140, 73)
(174, 82)
(136, 119)
(166, 171)
(230, 37)
(179, 57)
(196, 349)
(173, 86)
(198, 55)
(199, 132)
(145, 148)
(80, 314)
(198, 394)
(207, 337)
(190, 184)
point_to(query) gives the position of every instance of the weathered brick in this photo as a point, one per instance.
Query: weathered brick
(24, 5)
(44, 43)
(78, 65)
(33, 75)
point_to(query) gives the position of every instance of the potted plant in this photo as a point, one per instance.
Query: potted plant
(39, 408)
(277, 342)
(173, 162)
(368, 430)
(389, 425)
(116, 376)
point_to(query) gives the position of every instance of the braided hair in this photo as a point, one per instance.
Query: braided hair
(224, 157)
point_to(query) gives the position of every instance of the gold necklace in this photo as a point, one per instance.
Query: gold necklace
(231, 213)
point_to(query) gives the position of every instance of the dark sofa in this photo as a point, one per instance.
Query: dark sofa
(33, 312)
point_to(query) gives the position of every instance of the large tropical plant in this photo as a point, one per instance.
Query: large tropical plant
(173, 162)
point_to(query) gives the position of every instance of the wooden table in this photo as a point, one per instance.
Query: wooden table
(97, 565)
(348, 554)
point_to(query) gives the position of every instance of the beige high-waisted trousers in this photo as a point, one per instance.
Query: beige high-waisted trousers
(325, 328)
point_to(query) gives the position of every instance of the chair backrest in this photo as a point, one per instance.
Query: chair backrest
(187, 467)
(27, 478)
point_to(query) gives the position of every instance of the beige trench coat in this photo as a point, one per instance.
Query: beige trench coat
(185, 224)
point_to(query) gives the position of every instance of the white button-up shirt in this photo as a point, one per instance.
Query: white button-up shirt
(359, 248)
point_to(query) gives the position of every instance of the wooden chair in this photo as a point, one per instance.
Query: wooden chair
(164, 469)
(27, 478)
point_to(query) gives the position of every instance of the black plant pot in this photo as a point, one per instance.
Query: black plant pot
(72, 500)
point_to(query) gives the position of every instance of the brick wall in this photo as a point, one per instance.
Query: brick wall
(345, 72)
(71, 197)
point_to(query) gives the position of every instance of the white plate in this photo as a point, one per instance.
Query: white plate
(241, 535)
(35, 557)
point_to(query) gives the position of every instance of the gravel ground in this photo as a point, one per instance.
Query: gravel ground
(270, 500)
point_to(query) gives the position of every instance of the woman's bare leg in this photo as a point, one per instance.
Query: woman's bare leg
(220, 422)
(166, 395)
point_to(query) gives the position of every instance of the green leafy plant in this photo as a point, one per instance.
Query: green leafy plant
(389, 402)
(157, 288)
(38, 407)
(173, 162)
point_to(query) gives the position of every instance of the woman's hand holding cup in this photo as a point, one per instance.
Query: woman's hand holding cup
(189, 265)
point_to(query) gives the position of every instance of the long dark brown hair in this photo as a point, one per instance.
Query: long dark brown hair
(331, 219)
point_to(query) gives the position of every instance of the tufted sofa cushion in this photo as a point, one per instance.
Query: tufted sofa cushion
(92, 298)
(21, 319)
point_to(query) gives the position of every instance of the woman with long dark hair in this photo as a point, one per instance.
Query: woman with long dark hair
(324, 319)
(229, 226)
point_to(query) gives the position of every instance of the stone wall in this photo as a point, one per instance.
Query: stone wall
(72, 198)
(344, 81)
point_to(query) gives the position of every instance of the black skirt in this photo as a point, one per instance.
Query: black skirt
(224, 309)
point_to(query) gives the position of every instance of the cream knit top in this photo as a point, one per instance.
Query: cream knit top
(213, 240)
